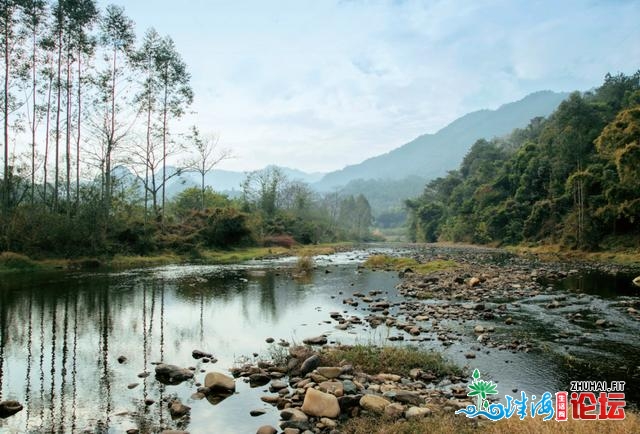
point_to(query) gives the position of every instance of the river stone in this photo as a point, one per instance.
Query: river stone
(636, 281)
(374, 403)
(349, 387)
(310, 364)
(601, 322)
(347, 402)
(328, 423)
(218, 382)
(172, 374)
(394, 410)
(479, 329)
(320, 404)
(257, 412)
(316, 340)
(277, 385)
(199, 354)
(267, 429)
(474, 281)
(332, 387)
(259, 379)
(9, 408)
(329, 372)
(293, 414)
(408, 397)
(178, 409)
(417, 412)
(389, 377)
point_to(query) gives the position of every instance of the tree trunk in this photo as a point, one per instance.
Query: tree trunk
(79, 129)
(33, 118)
(147, 160)
(58, 96)
(164, 150)
(68, 134)
(202, 189)
(7, 62)
(46, 141)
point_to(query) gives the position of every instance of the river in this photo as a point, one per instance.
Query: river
(74, 346)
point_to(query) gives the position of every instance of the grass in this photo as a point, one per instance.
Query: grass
(10, 261)
(385, 262)
(392, 360)
(305, 264)
(442, 422)
(554, 252)
(15, 262)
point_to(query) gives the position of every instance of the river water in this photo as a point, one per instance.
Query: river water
(61, 335)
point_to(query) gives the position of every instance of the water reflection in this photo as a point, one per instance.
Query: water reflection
(61, 336)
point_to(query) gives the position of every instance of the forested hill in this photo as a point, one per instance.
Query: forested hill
(573, 178)
(431, 155)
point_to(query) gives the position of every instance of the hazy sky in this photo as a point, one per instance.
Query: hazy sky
(319, 84)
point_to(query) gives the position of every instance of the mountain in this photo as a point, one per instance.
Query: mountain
(227, 181)
(432, 155)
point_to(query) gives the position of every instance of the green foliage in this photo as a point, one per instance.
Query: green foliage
(572, 178)
(394, 360)
(193, 198)
(16, 261)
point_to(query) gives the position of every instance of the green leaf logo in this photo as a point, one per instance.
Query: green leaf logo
(481, 389)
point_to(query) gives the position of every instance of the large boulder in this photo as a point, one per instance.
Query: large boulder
(417, 412)
(320, 404)
(177, 409)
(316, 340)
(217, 382)
(332, 387)
(172, 374)
(329, 372)
(310, 364)
(9, 408)
(374, 403)
(266, 429)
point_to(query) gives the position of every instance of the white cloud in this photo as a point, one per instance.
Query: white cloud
(318, 85)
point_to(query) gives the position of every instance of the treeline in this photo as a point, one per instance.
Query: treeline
(82, 99)
(573, 178)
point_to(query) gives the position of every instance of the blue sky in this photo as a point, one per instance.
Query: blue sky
(319, 84)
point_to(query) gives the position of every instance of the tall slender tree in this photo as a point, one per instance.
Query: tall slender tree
(177, 95)
(117, 36)
(83, 16)
(147, 99)
(11, 48)
(34, 19)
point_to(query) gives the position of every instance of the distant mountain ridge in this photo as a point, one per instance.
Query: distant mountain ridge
(228, 181)
(432, 155)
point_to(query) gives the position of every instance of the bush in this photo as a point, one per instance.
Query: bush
(282, 240)
(16, 261)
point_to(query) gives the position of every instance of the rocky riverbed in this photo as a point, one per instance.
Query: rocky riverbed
(526, 324)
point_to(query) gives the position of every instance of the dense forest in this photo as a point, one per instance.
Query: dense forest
(86, 106)
(572, 178)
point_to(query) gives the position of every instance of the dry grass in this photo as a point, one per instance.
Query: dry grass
(10, 261)
(393, 360)
(384, 262)
(451, 423)
(554, 252)
(305, 264)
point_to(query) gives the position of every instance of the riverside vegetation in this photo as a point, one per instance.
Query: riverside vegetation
(92, 111)
(572, 179)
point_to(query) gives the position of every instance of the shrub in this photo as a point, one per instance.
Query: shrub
(282, 240)
(16, 261)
